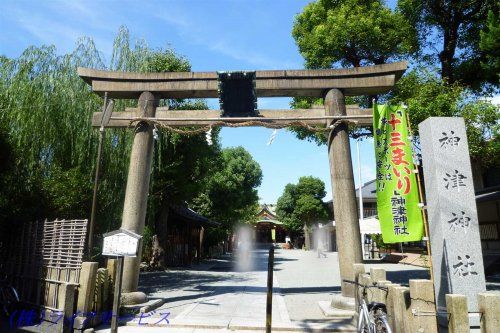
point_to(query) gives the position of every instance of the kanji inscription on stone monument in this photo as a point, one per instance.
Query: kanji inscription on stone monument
(451, 205)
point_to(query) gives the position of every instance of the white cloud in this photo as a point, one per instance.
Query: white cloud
(61, 23)
(50, 31)
(203, 34)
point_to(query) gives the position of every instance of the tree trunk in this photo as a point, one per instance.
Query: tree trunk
(159, 244)
(447, 56)
(307, 237)
(230, 242)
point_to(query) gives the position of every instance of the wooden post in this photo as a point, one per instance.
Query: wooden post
(102, 290)
(111, 266)
(202, 238)
(344, 196)
(198, 245)
(90, 240)
(269, 300)
(136, 194)
(116, 299)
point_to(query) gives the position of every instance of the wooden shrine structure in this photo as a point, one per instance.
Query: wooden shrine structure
(238, 93)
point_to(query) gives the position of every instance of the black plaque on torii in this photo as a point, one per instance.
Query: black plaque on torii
(237, 97)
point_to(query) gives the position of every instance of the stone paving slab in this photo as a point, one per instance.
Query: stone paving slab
(220, 300)
(306, 280)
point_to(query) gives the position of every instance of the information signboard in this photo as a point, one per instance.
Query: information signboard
(121, 242)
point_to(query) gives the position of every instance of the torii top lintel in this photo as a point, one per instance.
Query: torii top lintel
(368, 80)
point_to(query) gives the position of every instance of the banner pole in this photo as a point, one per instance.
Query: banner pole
(421, 197)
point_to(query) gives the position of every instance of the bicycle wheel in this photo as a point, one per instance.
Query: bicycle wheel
(381, 325)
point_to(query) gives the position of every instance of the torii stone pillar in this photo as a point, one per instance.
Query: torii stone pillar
(136, 194)
(343, 191)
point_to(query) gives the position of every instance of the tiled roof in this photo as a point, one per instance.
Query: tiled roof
(191, 215)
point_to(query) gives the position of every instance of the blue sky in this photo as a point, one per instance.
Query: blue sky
(213, 35)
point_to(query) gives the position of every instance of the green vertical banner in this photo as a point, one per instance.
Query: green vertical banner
(397, 192)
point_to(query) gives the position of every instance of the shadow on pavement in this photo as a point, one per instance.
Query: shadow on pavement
(403, 276)
(309, 290)
(154, 282)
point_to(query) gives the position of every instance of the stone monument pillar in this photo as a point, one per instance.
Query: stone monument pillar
(451, 205)
(347, 233)
(136, 194)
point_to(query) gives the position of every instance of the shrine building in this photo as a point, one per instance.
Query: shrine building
(267, 228)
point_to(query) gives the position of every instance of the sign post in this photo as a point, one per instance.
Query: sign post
(117, 295)
(119, 243)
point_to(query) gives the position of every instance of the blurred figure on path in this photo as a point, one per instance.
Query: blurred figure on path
(321, 247)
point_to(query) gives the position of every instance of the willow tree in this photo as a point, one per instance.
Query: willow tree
(45, 122)
(45, 111)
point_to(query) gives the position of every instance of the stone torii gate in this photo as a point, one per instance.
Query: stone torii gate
(331, 84)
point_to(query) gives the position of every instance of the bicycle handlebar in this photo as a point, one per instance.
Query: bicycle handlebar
(365, 286)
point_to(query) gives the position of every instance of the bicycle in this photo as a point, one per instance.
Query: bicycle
(372, 317)
(9, 298)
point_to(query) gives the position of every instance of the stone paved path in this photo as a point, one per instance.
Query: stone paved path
(306, 279)
(216, 296)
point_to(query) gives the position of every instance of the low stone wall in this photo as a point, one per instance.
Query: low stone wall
(95, 295)
(413, 309)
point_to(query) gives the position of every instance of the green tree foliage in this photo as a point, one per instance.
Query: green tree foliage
(48, 147)
(302, 204)
(490, 44)
(47, 112)
(457, 35)
(332, 33)
(20, 197)
(455, 26)
(285, 208)
(426, 94)
(321, 138)
(230, 195)
(352, 33)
